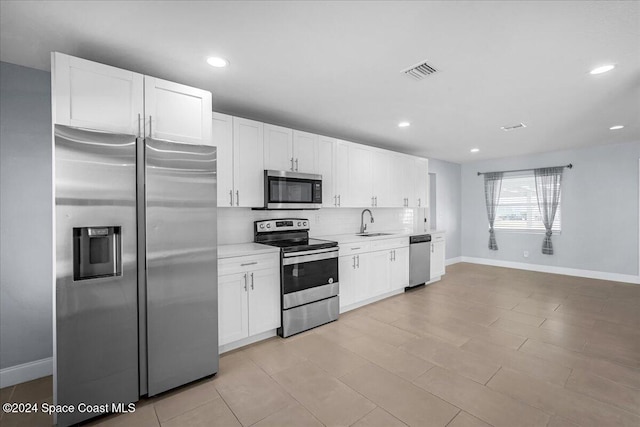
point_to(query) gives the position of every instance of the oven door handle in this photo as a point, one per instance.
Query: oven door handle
(310, 252)
(317, 256)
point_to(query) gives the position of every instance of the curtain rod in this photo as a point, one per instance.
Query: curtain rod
(523, 170)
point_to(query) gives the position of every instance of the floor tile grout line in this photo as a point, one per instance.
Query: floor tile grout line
(494, 374)
(523, 343)
(454, 417)
(231, 410)
(356, 421)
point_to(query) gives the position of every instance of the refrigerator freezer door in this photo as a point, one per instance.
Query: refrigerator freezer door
(181, 285)
(96, 330)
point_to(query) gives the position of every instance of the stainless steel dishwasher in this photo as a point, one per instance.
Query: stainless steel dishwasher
(419, 260)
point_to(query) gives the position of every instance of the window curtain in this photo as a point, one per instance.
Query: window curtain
(492, 186)
(548, 182)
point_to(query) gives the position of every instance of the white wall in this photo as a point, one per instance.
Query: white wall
(599, 211)
(448, 204)
(25, 215)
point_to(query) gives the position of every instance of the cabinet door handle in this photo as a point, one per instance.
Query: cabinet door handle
(251, 281)
(335, 201)
(248, 263)
(339, 203)
(354, 249)
(245, 282)
(390, 255)
(231, 197)
(432, 248)
(394, 254)
(376, 201)
(358, 256)
(237, 197)
(296, 164)
(371, 201)
(292, 164)
(419, 202)
(354, 261)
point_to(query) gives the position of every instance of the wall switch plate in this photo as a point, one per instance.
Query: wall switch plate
(525, 254)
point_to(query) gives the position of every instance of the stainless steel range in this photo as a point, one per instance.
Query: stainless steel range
(308, 274)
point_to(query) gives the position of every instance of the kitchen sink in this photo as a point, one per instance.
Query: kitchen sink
(373, 234)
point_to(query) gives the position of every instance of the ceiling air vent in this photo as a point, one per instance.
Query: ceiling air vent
(514, 127)
(419, 71)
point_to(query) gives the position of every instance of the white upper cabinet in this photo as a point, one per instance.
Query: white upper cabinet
(305, 152)
(96, 96)
(359, 176)
(222, 137)
(278, 148)
(177, 112)
(290, 150)
(248, 163)
(380, 178)
(326, 158)
(421, 183)
(341, 173)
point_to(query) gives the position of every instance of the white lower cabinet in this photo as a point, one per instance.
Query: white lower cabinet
(399, 268)
(369, 270)
(248, 297)
(349, 276)
(437, 255)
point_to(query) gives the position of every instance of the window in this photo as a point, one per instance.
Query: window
(518, 207)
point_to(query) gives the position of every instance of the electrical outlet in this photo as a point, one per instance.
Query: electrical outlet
(525, 254)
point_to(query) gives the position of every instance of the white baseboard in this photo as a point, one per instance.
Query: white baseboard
(26, 372)
(453, 260)
(591, 274)
(246, 341)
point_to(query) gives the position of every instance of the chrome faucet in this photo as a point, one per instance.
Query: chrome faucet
(363, 226)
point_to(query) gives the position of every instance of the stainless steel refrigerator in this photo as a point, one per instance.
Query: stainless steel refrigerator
(136, 304)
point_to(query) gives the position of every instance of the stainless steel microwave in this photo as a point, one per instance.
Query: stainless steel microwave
(292, 190)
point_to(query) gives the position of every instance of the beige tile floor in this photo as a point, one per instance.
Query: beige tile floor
(484, 346)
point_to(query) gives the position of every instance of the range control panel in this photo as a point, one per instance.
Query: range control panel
(284, 224)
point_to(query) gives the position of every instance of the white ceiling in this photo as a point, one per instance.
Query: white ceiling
(334, 67)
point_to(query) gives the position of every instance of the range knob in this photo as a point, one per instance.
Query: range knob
(268, 225)
(261, 225)
(298, 223)
(304, 223)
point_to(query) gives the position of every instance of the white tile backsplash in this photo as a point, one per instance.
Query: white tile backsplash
(235, 225)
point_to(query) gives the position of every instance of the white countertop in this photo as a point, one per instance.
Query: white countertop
(244, 249)
(353, 238)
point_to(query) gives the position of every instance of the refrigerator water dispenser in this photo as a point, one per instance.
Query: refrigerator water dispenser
(97, 252)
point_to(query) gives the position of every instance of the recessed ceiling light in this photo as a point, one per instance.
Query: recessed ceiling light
(404, 124)
(217, 62)
(475, 150)
(616, 127)
(602, 69)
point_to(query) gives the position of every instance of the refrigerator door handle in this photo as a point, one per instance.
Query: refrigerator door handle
(150, 131)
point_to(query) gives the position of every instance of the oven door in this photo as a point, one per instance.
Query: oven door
(309, 276)
(292, 190)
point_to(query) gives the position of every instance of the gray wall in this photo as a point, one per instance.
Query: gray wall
(599, 211)
(448, 204)
(25, 215)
